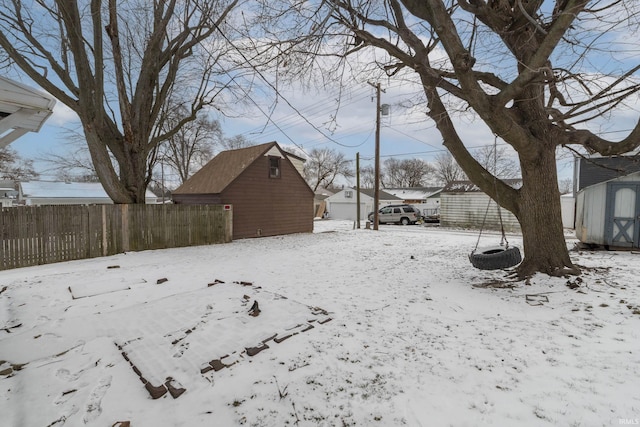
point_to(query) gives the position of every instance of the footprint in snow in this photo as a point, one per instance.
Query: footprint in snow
(66, 375)
(94, 408)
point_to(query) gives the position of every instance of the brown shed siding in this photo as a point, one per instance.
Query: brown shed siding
(264, 206)
(196, 199)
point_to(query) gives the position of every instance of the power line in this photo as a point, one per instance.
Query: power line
(409, 136)
(294, 121)
(318, 110)
(278, 95)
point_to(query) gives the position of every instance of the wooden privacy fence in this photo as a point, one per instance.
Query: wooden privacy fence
(47, 234)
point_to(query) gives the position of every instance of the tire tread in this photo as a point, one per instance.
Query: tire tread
(510, 257)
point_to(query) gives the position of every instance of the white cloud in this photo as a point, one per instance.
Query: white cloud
(62, 115)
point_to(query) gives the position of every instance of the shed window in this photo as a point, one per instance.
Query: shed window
(274, 167)
(348, 194)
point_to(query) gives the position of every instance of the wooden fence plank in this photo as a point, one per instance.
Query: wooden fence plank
(33, 235)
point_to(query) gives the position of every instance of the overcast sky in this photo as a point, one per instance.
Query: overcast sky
(314, 119)
(343, 119)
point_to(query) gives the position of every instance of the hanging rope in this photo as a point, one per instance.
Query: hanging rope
(486, 212)
(503, 239)
(495, 258)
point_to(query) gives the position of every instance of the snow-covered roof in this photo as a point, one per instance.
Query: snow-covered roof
(369, 192)
(413, 193)
(67, 190)
(470, 187)
(7, 185)
(63, 189)
(22, 110)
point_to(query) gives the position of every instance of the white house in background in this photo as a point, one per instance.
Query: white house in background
(22, 110)
(8, 193)
(319, 203)
(427, 199)
(38, 193)
(343, 204)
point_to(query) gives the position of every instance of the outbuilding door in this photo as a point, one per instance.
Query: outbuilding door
(623, 214)
(347, 211)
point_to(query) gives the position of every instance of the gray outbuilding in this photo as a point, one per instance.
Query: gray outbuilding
(608, 213)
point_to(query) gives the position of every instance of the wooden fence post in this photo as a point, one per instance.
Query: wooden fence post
(125, 227)
(42, 235)
(105, 244)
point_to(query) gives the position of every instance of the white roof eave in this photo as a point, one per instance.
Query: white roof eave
(23, 110)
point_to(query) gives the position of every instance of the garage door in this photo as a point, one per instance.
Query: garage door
(346, 211)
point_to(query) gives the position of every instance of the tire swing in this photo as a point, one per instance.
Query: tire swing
(497, 257)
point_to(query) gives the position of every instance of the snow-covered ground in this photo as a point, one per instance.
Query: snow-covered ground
(356, 328)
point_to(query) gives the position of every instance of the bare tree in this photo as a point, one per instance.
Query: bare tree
(368, 176)
(75, 164)
(116, 64)
(186, 150)
(324, 165)
(235, 142)
(446, 169)
(406, 172)
(565, 185)
(15, 168)
(496, 160)
(62, 175)
(191, 147)
(532, 71)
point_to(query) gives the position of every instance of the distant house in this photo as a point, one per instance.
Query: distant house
(264, 185)
(39, 193)
(343, 204)
(464, 205)
(8, 193)
(427, 199)
(319, 201)
(594, 170)
(608, 213)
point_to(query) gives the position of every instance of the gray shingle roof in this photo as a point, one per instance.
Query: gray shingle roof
(599, 169)
(383, 194)
(222, 170)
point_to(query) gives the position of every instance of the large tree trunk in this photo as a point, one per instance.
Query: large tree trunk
(540, 218)
(128, 183)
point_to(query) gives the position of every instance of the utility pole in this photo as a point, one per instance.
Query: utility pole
(376, 187)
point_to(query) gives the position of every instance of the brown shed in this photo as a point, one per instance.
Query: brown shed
(268, 194)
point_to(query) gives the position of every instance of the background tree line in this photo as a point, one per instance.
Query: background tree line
(325, 165)
(15, 168)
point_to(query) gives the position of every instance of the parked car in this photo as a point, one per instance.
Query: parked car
(400, 214)
(431, 215)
